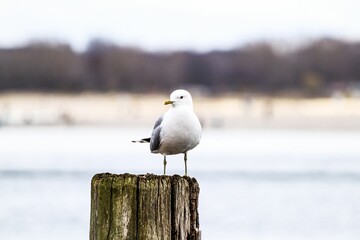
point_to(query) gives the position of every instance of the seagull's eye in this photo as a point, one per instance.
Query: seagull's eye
(181, 97)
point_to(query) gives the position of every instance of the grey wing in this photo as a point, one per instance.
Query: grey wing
(155, 136)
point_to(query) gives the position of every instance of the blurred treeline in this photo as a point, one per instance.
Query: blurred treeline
(318, 68)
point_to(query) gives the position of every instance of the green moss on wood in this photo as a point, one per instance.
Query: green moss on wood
(101, 206)
(123, 208)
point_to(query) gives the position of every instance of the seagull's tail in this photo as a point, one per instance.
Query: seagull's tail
(144, 140)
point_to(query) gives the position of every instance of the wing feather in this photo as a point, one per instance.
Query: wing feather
(155, 136)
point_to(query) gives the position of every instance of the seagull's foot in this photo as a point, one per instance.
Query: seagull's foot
(165, 165)
(185, 161)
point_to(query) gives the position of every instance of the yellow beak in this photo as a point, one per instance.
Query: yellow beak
(168, 102)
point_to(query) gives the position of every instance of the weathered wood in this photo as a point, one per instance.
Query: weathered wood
(154, 209)
(144, 207)
(194, 212)
(113, 206)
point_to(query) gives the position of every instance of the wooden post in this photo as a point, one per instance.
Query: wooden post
(141, 207)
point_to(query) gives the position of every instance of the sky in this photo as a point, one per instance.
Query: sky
(199, 25)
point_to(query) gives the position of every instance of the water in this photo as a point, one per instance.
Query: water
(255, 184)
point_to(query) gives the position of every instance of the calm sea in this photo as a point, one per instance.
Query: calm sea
(255, 184)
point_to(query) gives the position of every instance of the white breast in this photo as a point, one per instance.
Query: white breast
(181, 131)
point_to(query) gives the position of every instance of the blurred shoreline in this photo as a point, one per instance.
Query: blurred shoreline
(125, 109)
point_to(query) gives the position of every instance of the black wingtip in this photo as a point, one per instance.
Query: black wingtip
(144, 140)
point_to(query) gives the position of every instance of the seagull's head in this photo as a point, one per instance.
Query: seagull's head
(180, 97)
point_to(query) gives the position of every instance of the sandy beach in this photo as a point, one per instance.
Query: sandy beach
(32, 108)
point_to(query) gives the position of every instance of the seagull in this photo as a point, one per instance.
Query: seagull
(178, 130)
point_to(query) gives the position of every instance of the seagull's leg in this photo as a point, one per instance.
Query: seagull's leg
(185, 160)
(165, 164)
